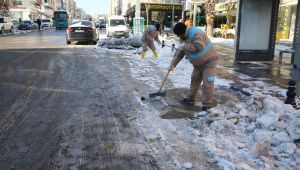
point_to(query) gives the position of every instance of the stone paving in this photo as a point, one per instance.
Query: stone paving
(268, 71)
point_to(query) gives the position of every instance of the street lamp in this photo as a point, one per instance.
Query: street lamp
(172, 13)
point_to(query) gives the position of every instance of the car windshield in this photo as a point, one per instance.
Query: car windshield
(45, 20)
(1, 20)
(26, 22)
(116, 22)
(85, 23)
(103, 22)
(61, 16)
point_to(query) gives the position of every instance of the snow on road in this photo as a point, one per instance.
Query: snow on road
(259, 132)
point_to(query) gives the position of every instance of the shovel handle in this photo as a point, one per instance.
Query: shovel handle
(163, 81)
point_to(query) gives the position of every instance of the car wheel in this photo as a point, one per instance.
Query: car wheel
(68, 42)
(2, 31)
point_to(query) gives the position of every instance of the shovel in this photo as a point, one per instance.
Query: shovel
(152, 96)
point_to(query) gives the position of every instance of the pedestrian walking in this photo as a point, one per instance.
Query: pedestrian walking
(39, 22)
(202, 55)
(151, 33)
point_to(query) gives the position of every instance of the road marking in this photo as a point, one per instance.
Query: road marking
(22, 86)
(38, 71)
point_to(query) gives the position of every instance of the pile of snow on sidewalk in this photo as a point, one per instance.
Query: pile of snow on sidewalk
(259, 132)
(120, 43)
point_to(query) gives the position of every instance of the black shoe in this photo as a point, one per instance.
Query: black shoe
(187, 101)
(205, 108)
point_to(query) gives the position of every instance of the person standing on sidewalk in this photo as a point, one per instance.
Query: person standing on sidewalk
(147, 39)
(39, 22)
(202, 55)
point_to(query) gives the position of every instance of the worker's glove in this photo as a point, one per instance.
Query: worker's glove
(181, 46)
(171, 68)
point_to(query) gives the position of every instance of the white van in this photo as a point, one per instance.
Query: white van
(6, 25)
(116, 27)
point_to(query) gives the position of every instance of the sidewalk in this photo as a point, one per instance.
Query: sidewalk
(17, 32)
(269, 71)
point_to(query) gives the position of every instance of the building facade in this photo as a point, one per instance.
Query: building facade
(286, 19)
(27, 9)
(48, 7)
(115, 7)
(120, 7)
(158, 12)
(44, 9)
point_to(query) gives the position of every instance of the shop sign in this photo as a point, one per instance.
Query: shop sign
(228, 7)
(20, 7)
(221, 7)
(161, 7)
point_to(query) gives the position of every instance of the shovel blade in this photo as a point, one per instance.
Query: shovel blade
(152, 96)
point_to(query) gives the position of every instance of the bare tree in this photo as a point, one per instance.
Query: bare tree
(4, 7)
(210, 16)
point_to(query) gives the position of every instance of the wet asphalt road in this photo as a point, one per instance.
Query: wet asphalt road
(62, 107)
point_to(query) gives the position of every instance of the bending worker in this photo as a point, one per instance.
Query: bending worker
(147, 39)
(202, 55)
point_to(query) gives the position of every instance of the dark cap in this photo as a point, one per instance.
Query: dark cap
(179, 28)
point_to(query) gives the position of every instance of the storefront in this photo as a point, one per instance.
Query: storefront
(226, 10)
(20, 12)
(26, 10)
(161, 13)
(286, 19)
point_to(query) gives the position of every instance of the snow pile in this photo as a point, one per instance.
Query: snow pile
(260, 133)
(227, 42)
(121, 43)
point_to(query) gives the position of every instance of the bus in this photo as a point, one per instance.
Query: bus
(60, 19)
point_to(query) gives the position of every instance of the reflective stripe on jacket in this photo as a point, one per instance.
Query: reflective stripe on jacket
(191, 36)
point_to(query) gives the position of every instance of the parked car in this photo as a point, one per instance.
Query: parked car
(15, 22)
(46, 23)
(83, 31)
(27, 25)
(35, 24)
(116, 27)
(102, 24)
(6, 24)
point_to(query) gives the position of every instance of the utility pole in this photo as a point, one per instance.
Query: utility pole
(62, 4)
(137, 8)
(147, 13)
(195, 14)
(172, 13)
(138, 22)
(296, 47)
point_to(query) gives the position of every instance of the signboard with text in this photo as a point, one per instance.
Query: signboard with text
(161, 7)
